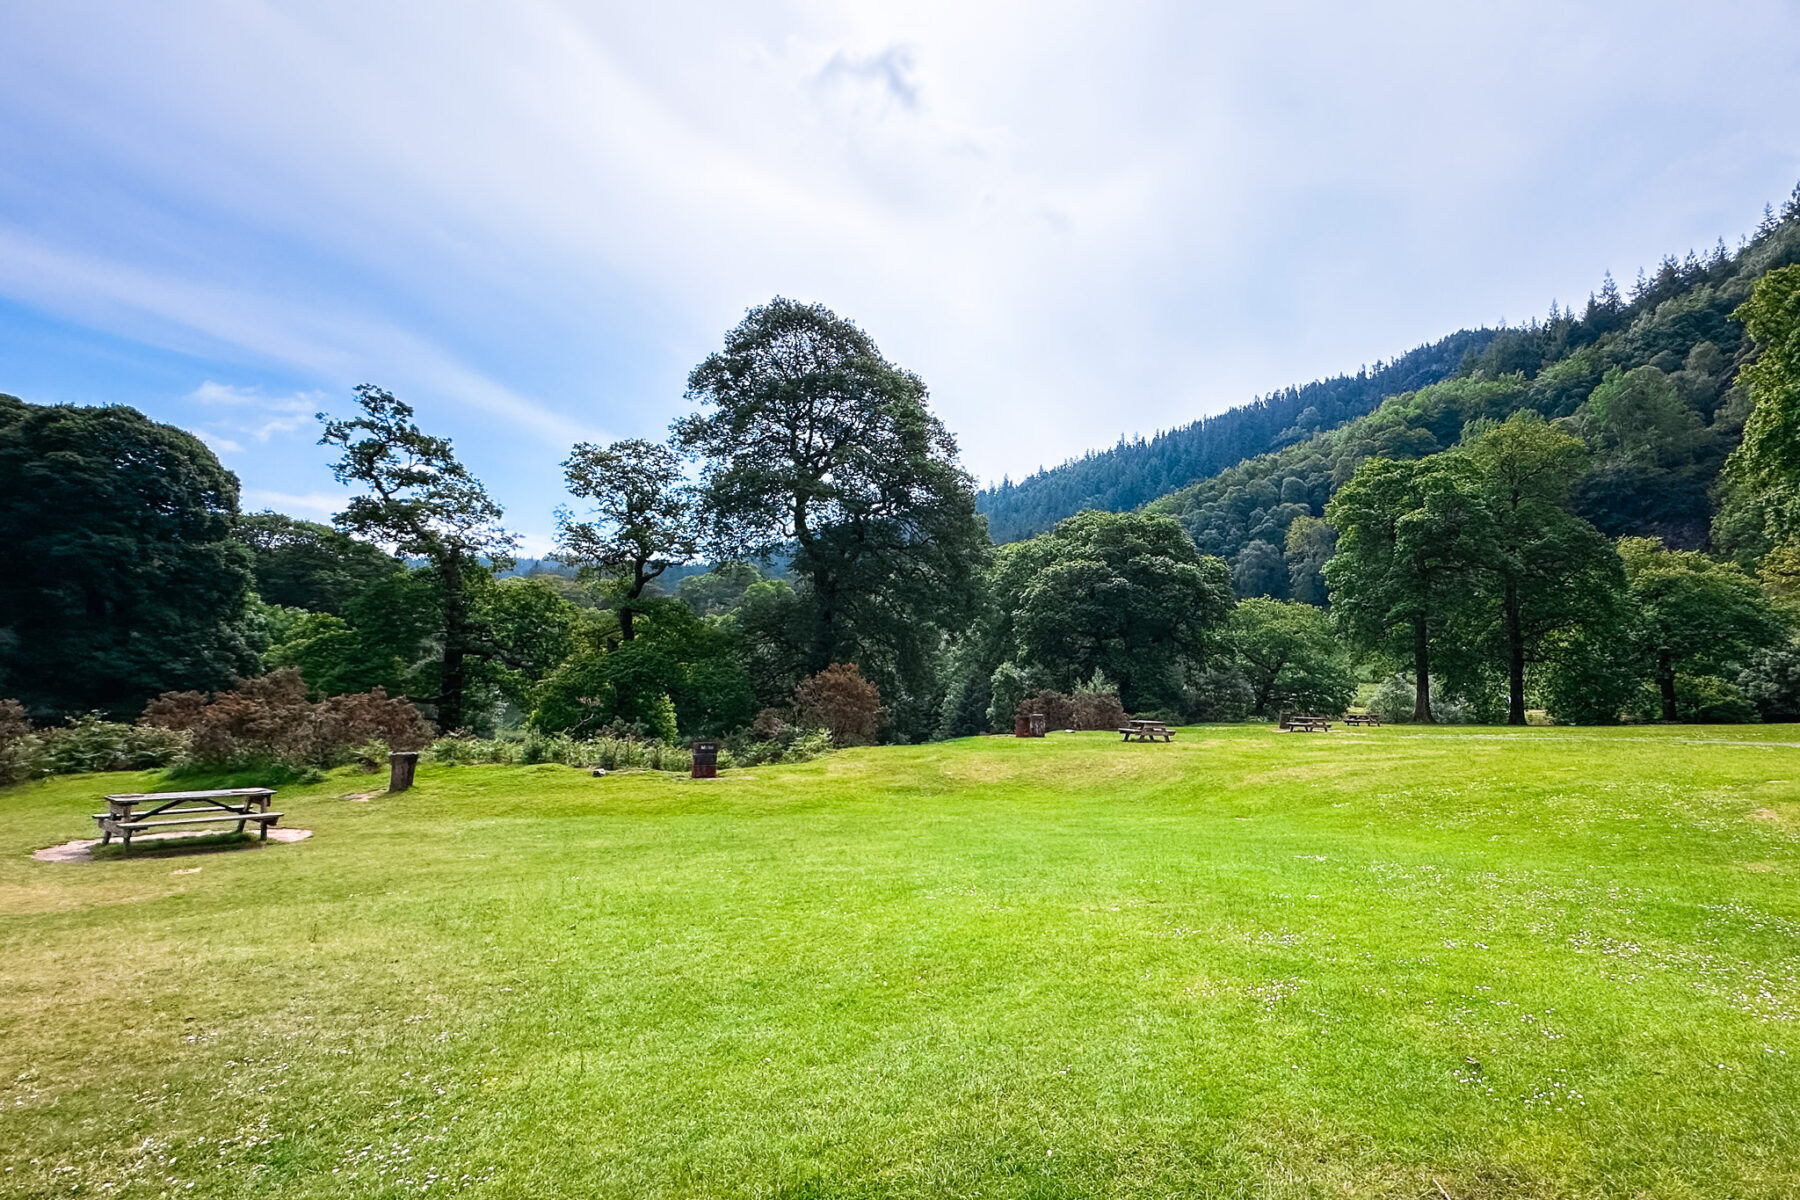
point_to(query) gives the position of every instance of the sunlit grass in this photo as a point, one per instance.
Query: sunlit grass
(1545, 962)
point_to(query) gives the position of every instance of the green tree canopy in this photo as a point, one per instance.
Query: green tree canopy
(1123, 593)
(679, 675)
(641, 521)
(1546, 571)
(1696, 616)
(1288, 653)
(122, 576)
(302, 564)
(814, 446)
(1411, 536)
(1768, 459)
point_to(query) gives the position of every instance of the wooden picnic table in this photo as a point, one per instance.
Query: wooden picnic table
(1361, 719)
(1147, 731)
(1305, 724)
(128, 813)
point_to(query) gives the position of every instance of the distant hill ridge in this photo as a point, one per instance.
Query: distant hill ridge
(1648, 380)
(1135, 472)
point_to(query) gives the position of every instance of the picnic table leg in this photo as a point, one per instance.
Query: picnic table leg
(262, 832)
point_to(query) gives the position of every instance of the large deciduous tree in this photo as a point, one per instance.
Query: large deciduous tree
(1547, 571)
(1411, 536)
(1126, 594)
(641, 521)
(816, 447)
(1696, 616)
(122, 578)
(423, 503)
(1287, 652)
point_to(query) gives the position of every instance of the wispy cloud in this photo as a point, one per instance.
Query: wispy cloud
(307, 504)
(891, 70)
(532, 219)
(250, 414)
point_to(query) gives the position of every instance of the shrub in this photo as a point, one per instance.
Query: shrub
(92, 743)
(22, 753)
(841, 702)
(270, 722)
(1771, 681)
(1096, 710)
(1709, 700)
(464, 749)
(1393, 702)
(1058, 712)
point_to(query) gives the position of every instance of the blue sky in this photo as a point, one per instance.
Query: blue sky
(1074, 221)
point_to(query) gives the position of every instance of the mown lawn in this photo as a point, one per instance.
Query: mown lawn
(1539, 963)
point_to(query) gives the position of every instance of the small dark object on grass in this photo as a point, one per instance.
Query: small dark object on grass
(705, 763)
(401, 765)
(599, 772)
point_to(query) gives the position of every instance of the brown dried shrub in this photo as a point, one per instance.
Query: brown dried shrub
(1096, 710)
(1057, 709)
(841, 702)
(270, 720)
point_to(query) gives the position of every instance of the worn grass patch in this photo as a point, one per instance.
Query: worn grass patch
(1548, 963)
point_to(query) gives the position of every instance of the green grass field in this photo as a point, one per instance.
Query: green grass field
(1542, 963)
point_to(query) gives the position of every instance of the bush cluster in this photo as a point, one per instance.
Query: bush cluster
(611, 753)
(1083, 710)
(841, 702)
(269, 722)
(86, 743)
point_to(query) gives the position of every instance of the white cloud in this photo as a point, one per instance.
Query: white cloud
(1072, 221)
(308, 504)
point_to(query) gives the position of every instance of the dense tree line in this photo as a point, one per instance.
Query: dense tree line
(1598, 518)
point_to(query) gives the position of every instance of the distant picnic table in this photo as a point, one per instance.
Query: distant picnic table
(1146, 731)
(1305, 724)
(128, 813)
(1361, 719)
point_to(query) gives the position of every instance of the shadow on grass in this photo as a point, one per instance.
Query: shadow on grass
(177, 847)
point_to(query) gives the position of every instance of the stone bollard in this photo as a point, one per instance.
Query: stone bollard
(401, 764)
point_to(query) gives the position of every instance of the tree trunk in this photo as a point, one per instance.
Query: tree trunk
(1263, 693)
(1665, 679)
(1422, 673)
(627, 630)
(454, 678)
(1515, 667)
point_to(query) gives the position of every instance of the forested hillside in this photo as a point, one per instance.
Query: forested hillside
(1647, 379)
(1133, 473)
